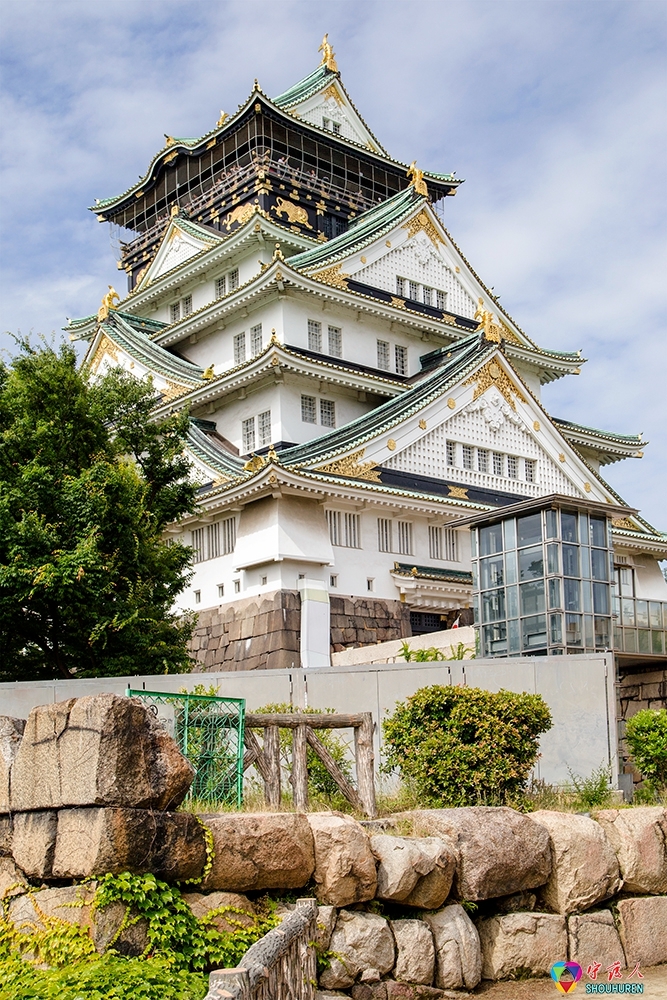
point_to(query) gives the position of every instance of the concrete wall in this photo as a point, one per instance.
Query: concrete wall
(579, 690)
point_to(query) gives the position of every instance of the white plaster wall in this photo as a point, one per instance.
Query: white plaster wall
(650, 584)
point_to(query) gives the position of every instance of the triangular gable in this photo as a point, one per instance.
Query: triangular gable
(331, 109)
(180, 243)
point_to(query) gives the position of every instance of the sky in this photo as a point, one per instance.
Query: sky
(554, 112)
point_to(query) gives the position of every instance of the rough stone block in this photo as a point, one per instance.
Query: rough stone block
(11, 733)
(499, 851)
(592, 937)
(584, 867)
(99, 750)
(34, 842)
(415, 951)
(404, 864)
(235, 910)
(344, 863)
(12, 880)
(458, 956)
(326, 921)
(639, 839)
(260, 851)
(360, 942)
(519, 941)
(643, 928)
(6, 834)
(93, 841)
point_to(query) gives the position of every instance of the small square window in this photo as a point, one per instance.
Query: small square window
(451, 452)
(175, 312)
(308, 410)
(327, 413)
(441, 299)
(401, 359)
(239, 348)
(314, 336)
(221, 590)
(468, 455)
(264, 581)
(248, 435)
(512, 466)
(237, 586)
(256, 339)
(335, 128)
(482, 460)
(187, 305)
(197, 596)
(413, 291)
(427, 295)
(383, 355)
(234, 279)
(498, 463)
(530, 470)
(335, 342)
(326, 123)
(370, 584)
(220, 287)
(264, 428)
(333, 580)
(400, 286)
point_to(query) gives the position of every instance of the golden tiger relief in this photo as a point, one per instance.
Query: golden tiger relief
(293, 212)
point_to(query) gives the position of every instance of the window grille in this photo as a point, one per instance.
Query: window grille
(413, 291)
(198, 544)
(237, 586)
(335, 342)
(308, 410)
(256, 339)
(383, 355)
(401, 359)
(344, 529)
(234, 279)
(327, 413)
(404, 532)
(228, 535)
(468, 455)
(400, 286)
(482, 460)
(498, 463)
(220, 286)
(384, 534)
(450, 448)
(175, 311)
(335, 128)
(264, 428)
(334, 521)
(441, 299)
(443, 544)
(352, 531)
(187, 305)
(427, 296)
(314, 336)
(248, 435)
(512, 466)
(221, 590)
(213, 540)
(239, 348)
(531, 466)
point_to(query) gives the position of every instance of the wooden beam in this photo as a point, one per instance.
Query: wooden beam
(365, 756)
(292, 720)
(299, 776)
(334, 770)
(271, 757)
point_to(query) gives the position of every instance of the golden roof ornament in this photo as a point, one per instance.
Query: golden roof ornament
(175, 209)
(277, 253)
(417, 179)
(107, 304)
(254, 463)
(222, 119)
(209, 373)
(271, 454)
(491, 330)
(328, 55)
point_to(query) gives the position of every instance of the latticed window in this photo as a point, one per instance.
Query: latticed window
(498, 463)
(400, 286)
(308, 410)
(413, 291)
(327, 413)
(401, 359)
(427, 296)
(450, 448)
(314, 336)
(334, 520)
(335, 342)
(344, 529)
(228, 527)
(198, 544)
(264, 428)
(234, 279)
(441, 299)
(187, 305)
(512, 466)
(468, 454)
(256, 339)
(482, 459)
(383, 355)
(384, 534)
(352, 531)
(443, 544)
(239, 348)
(248, 435)
(213, 540)
(175, 311)
(404, 537)
(531, 467)
(220, 286)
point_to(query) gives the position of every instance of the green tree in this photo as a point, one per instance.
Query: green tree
(459, 746)
(646, 736)
(88, 483)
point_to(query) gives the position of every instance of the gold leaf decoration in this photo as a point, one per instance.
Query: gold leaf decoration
(625, 523)
(458, 492)
(351, 465)
(399, 303)
(105, 346)
(173, 390)
(332, 93)
(493, 375)
(421, 223)
(333, 276)
(254, 464)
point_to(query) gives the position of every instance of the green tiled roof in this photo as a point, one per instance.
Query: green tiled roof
(131, 333)
(628, 439)
(432, 573)
(304, 88)
(202, 447)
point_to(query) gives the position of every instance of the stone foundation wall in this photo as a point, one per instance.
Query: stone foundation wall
(362, 621)
(636, 691)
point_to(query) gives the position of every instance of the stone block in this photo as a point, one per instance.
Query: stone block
(344, 863)
(517, 942)
(458, 958)
(12, 880)
(584, 867)
(360, 942)
(415, 951)
(643, 929)
(11, 733)
(6, 834)
(93, 841)
(499, 851)
(34, 842)
(405, 862)
(99, 750)
(235, 911)
(260, 851)
(639, 839)
(326, 921)
(592, 937)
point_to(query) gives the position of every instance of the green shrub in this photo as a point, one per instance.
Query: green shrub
(646, 736)
(432, 654)
(462, 746)
(593, 792)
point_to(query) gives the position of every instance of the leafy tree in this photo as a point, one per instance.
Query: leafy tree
(646, 736)
(88, 483)
(460, 746)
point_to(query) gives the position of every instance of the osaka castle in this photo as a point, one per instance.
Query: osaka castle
(365, 417)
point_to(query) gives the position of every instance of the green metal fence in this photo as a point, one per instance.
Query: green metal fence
(209, 731)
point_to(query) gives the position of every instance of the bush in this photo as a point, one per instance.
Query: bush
(646, 736)
(593, 792)
(460, 746)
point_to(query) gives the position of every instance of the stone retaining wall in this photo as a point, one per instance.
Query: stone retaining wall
(638, 690)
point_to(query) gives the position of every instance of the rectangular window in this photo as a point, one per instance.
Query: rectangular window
(404, 537)
(197, 596)
(383, 355)
(512, 466)
(334, 519)
(187, 305)
(264, 428)
(450, 448)
(256, 339)
(370, 583)
(237, 586)
(482, 460)
(434, 542)
(228, 535)
(498, 463)
(175, 311)
(413, 291)
(314, 336)
(352, 531)
(333, 580)
(234, 279)
(326, 123)
(248, 435)
(443, 544)
(327, 413)
(335, 342)
(198, 544)
(308, 410)
(384, 534)
(468, 456)
(213, 540)
(221, 590)
(427, 296)
(441, 299)
(530, 470)
(239, 348)
(335, 128)
(344, 529)
(400, 286)
(220, 287)
(401, 359)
